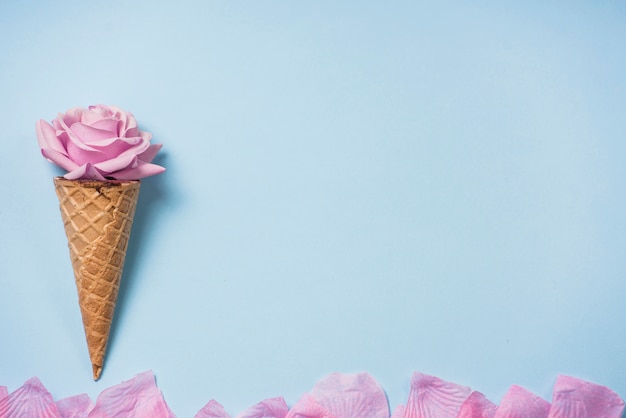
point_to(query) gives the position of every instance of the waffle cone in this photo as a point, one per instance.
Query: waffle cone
(97, 216)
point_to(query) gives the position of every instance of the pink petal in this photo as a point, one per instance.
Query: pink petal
(213, 409)
(269, 408)
(95, 113)
(351, 395)
(126, 123)
(142, 170)
(576, 398)
(47, 137)
(64, 126)
(431, 397)
(72, 116)
(116, 145)
(59, 159)
(77, 406)
(518, 402)
(91, 135)
(3, 392)
(149, 154)
(81, 154)
(307, 407)
(399, 412)
(110, 125)
(109, 167)
(30, 400)
(137, 397)
(85, 171)
(477, 406)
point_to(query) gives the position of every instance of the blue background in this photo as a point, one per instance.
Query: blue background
(350, 186)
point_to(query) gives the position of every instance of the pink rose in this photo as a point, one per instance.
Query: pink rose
(98, 143)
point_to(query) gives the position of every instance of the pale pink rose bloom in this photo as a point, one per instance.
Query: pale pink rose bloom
(212, 409)
(32, 399)
(77, 406)
(477, 406)
(98, 143)
(135, 398)
(519, 402)
(576, 398)
(431, 397)
(269, 408)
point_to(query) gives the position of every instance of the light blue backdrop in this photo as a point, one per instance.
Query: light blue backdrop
(350, 186)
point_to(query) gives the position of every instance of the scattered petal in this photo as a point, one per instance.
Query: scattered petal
(351, 395)
(519, 403)
(135, 398)
(269, 408)
(577, 398)
(30, 400)
(431, 397)
(77, 406)
(307, 407)
(213, 409)
(477, 406)
(399, 412)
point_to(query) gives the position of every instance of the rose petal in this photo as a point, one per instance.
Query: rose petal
(137, 397)
(85, 171)
(72, 116)
(431, 397)
(30, 400)
(307, 407)
(127, 125)
(109, 125)
(77, 406)
(91, 135)
(477, 406)
(127, 146)
(72, 139)
(142, 170)
(117, 164)
(149, 154)
(3, 392)
(269, 408)
(96, 112)
(519, 402)
(59, 159)
(212, 409)
(47, 138)
(145, 135)
(577, 398)
(351, 395)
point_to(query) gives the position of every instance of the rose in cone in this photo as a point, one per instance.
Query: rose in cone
(105, 154)
(98, 143)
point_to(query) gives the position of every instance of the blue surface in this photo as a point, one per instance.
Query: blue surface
(351, 187)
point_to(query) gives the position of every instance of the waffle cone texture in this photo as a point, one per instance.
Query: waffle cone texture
(97, 217)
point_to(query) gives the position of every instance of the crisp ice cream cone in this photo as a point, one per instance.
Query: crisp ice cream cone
(97, 216)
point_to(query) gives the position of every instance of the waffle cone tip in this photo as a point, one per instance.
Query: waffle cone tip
(97, 370)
